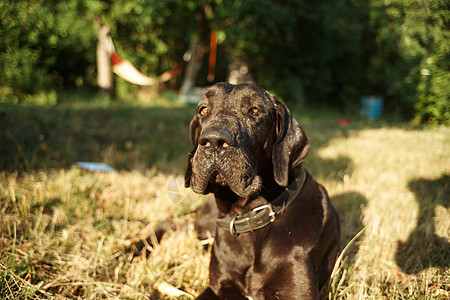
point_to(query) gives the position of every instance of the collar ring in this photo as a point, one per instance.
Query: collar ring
(232, 228)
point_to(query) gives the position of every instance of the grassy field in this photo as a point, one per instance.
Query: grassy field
(63, 230)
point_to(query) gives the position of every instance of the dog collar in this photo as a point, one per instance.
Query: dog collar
(263, 215)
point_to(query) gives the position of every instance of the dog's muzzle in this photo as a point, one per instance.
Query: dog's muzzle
(220, 160)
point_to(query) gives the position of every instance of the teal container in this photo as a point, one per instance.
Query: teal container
(371, 107)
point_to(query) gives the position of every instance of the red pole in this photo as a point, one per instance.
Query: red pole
(212, 56)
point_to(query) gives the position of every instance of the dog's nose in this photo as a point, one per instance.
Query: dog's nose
(216, 138)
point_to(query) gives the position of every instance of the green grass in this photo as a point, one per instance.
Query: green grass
(127, 136)
(63, 230)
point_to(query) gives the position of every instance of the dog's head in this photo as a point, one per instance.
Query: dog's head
(238, 132)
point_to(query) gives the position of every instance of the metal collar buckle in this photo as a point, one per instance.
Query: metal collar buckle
(269, 208)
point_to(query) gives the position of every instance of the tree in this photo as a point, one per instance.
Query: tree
(43, 49)
(411, 63)
(104, 68)
(198, 47)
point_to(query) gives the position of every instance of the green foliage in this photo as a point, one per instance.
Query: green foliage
(48, 46)
(152, 34)
(325, 52)
(22, 29)
(411, 62)
(434, 90)
(334, 51)
(42, 48)
(301, 49)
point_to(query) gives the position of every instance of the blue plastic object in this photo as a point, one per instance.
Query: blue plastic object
(372, 106)
(93, 166)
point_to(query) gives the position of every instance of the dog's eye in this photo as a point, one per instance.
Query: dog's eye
(203, 111)
(255, 111)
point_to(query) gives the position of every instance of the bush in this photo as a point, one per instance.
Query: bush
(411, 62)
(43, 47)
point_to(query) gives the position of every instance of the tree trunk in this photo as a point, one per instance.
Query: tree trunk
(192, 69)
(104, 68)
(198, 50)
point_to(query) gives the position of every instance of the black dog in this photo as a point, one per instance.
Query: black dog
(277, 235)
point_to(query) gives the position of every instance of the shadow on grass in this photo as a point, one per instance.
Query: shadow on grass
(349, 207)
(321, 129)
(123, 136)
(423, 248)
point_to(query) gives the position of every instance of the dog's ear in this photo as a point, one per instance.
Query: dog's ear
(195, 133)
(195, 129)
(291, 145)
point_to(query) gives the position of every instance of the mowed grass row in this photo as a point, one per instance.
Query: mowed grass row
(63, 231)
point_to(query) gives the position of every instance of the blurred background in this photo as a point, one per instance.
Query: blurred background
(316, 53)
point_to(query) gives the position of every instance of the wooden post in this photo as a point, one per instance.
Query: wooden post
(104, 68)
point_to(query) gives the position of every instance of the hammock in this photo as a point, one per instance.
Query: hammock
(125, 69)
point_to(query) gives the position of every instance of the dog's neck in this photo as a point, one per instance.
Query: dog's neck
(229, 203)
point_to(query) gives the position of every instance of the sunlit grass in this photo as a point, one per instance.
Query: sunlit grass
(63, 231)
(399, 175)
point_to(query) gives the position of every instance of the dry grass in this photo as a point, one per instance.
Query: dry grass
(63, 231)
(401, 180)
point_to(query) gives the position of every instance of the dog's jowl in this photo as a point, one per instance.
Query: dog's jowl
(277, 235)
